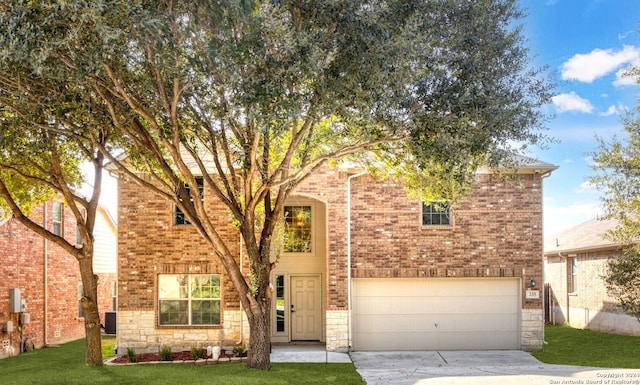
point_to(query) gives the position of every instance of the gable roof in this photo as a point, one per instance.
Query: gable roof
(532, 164)
(587, 236)
(523, 164)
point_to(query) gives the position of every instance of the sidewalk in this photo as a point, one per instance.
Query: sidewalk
(306, 353)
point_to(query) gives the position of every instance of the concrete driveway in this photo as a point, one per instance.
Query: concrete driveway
(478, 367)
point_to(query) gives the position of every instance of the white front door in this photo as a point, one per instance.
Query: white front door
(306, 308)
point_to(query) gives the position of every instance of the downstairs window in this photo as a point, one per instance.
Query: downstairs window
(189, 299)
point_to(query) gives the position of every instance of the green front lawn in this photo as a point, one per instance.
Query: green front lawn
(65, 365)
(569, 346)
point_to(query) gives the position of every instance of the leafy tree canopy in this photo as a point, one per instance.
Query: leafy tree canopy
(617, 175)
(440, 85)
(49, 127)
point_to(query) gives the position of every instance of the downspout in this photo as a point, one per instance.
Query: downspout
(45, 258)
(566, 285)
(349, 282)
(544, 272)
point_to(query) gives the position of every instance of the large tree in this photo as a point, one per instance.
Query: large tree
(616, 165)
(256, 95)
(37, 164)
(52, 133)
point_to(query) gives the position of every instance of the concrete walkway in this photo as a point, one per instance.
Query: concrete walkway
(306, 353)
(503, 367)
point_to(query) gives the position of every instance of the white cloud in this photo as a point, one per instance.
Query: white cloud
(588, 67)
(585, 187)
(612, 110)
(618, 109)
(622, 36)
(571, 102)
(623, 78)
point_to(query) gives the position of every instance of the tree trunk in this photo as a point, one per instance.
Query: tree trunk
(260, 335)
(89, 302)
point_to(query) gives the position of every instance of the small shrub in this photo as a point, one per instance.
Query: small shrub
(239, 351)
(131, 355)
(165, 353)
(197, 353)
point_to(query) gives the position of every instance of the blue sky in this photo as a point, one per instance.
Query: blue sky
(587, 44)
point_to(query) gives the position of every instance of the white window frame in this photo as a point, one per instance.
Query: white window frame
(187, 298)
(57, 218)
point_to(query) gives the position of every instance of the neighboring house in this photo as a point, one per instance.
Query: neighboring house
(363, 267)
(575, 264)
(48, 280)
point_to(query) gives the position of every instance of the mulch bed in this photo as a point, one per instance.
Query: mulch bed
(175, 356)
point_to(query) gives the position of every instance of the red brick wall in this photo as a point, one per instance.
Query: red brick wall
(150, 244)
(497, 232)
(23, 256)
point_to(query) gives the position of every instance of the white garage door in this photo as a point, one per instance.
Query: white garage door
(436, 314)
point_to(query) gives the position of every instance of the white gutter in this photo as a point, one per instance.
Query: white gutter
(349, 283)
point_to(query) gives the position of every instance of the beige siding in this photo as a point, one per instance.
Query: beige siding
(106, 245)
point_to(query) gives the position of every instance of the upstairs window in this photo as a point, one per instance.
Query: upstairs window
(57, 218)
(297, 229)
(436, 214)
(189, 299)
(179, 217)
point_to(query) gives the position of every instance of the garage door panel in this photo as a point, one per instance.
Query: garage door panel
(427, 304)
(410, 287)
(436, 322)
(423, 314)
(439, 341)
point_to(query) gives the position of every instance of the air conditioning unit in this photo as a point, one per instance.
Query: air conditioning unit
(110, 322)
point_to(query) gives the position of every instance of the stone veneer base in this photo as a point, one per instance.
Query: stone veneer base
(137, 330)
(532, 329)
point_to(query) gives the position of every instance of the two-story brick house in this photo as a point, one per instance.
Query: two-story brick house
(48, 279)
(362, 267)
